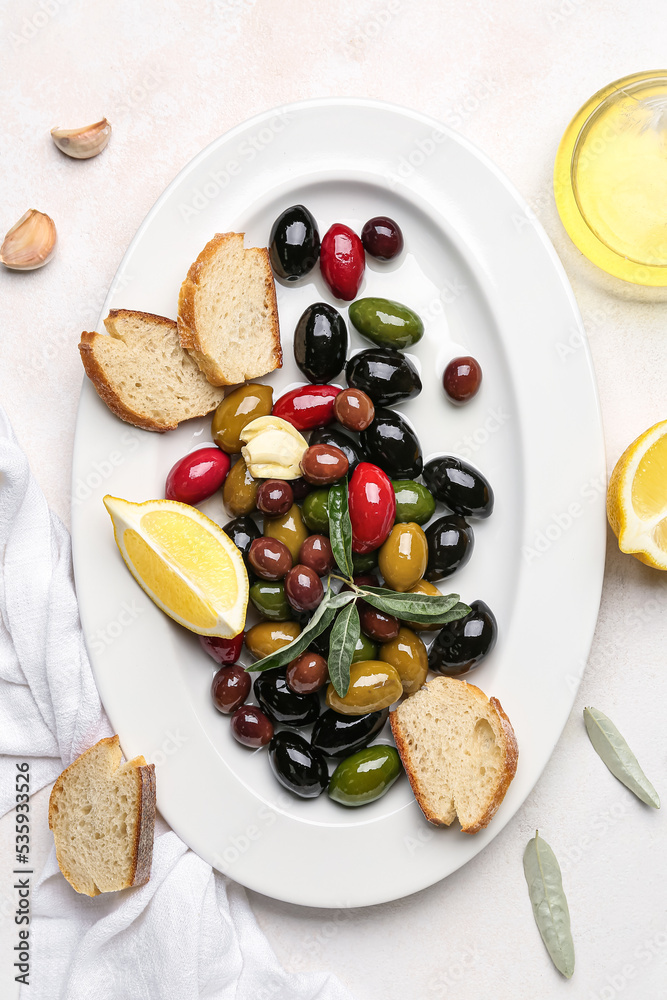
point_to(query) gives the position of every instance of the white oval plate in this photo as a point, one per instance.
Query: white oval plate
(487, 282)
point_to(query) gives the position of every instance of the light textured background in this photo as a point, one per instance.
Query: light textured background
(171, 76)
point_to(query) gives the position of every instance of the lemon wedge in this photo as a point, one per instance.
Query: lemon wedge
(186, 564)
(637, 498)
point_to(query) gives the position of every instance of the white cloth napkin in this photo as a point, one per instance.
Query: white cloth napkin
(189, 934)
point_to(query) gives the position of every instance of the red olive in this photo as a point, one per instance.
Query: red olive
(342, 261)
(316, 553)
(372, 503)
(307, 673)
(308, 407)
(382, 238)
(197, 476)
(251, 727)
(274, 497)
(303, 588)
(269, 558)
(322, 464)
(223, 650)
(376, 624)
(354, 409)
(230, 688)
(462, 379)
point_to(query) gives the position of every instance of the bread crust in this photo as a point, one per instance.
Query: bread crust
(187, 325)
(142, 851)
(510, 760)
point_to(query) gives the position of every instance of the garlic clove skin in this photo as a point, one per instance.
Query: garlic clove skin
(30, 243)
(82, 143)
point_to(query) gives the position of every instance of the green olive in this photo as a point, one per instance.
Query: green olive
(239, 491)
(268, 596)
(314, 511)
(373, 685)
(365, 776)
(430, 589)
(364, 650)
(267, 637)
(403, 557)
(386, 323)
(413, 502)
(407, 653)
(236, 410)
(289, 528)
(364, 562)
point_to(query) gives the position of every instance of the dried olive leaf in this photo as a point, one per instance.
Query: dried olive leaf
(342, 643)
(423, 608)
(617, 755)
(552, 916)
(320, 621)
(340, 527)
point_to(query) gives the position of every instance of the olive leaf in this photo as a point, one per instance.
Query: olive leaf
(617, 755)
(552, 916)
(342, 643)
(320, 621)
(423, 608)
(340, 527)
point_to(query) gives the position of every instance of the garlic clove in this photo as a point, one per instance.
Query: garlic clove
(30, 243)
(82, 143)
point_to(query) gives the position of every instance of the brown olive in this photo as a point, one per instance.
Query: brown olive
(239, 492)
(323, 464)
(316, 553)
(376, 624)
(288, 528)
(251, 727)
(267, 637)
(270, 559)
(236, 410)
(230, 688)
(307, 673)
(462, 379)
(300, 489)
(354, 409)
(303, 588)
(274, 497)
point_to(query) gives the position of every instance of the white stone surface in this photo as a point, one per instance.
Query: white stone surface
(173, 75)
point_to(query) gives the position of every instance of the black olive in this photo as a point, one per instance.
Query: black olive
(462, 644)
(338, 735)
(385, 375)
(297, 765)
(391, 443)
(294, 244)
(243, 531)
(320, 342)
(350, 448)
(462, 488)
(283, 705)
(450, 544)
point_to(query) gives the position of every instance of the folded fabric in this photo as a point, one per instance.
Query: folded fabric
(189, 933)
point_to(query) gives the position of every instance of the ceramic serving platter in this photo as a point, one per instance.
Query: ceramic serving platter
(485, 279)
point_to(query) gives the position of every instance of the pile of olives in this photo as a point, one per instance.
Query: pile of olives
(399, 540)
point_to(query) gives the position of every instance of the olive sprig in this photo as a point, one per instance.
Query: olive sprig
(340, 609)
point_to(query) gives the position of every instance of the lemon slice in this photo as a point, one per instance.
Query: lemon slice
(186, 564)
(637, 498)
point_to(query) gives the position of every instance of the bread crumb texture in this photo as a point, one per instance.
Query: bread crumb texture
(102, 815)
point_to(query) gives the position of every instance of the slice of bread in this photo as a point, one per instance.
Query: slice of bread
(459, 752)
(102, 814)
(227, 313)
(143, 374)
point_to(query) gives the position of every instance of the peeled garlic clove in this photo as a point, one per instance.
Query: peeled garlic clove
(30, 243)
(273, 448)
(82, 143)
